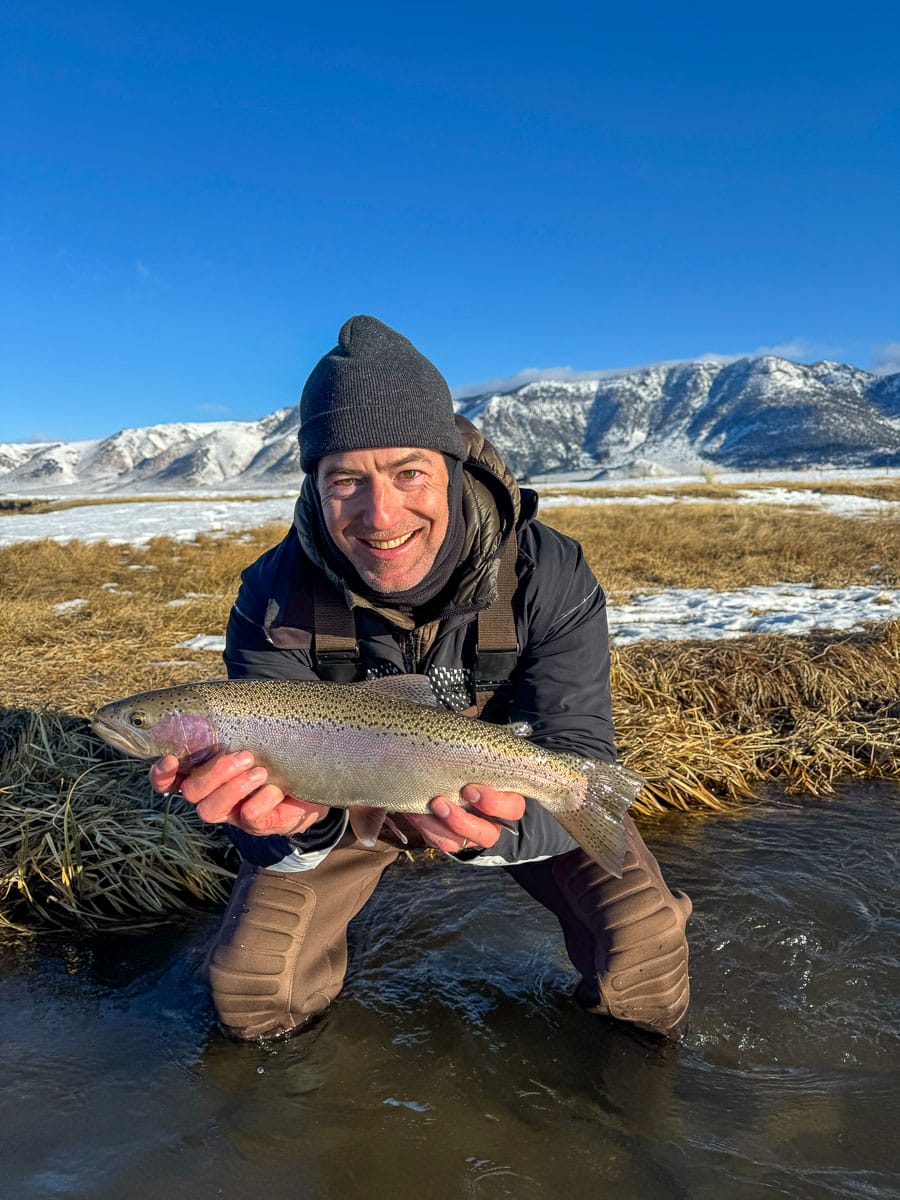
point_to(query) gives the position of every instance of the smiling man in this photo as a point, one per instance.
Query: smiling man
(414, 551)
(386, 511)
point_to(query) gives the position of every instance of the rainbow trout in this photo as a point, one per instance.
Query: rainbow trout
(384, 745)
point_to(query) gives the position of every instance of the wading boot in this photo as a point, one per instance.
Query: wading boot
(281, 952)
(624, 936)
(636, 928)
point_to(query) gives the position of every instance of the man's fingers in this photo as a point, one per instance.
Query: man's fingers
(206, 778)
(451, 828)
(437, 834)
(506, 806)
(216, 806)
(231, 789)
(164, 774)
(268, 810)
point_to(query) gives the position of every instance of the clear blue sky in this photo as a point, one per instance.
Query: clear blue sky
(198, 195)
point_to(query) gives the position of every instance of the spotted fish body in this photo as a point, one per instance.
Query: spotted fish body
(381, 744)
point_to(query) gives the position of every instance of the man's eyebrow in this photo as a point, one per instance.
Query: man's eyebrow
(337, 469)
(413, 457)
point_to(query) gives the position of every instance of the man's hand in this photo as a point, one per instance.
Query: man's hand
(230, 789)
(452, 828)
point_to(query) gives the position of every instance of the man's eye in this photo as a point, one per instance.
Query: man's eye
(410, 473)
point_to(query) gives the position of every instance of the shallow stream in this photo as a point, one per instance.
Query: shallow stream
(455, 1064)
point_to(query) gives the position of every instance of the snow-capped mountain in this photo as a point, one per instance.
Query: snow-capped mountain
(753, 413)
(182, 456)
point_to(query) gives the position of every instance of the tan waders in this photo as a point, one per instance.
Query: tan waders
(625, 936)
(638, 926)
(281, 953)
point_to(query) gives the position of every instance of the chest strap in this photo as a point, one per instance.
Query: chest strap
(335, 647)
(497, 649)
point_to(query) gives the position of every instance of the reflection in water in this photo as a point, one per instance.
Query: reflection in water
(455, 1061)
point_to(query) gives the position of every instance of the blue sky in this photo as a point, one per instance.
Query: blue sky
(197, 197)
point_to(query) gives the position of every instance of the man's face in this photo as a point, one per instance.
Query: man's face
(387, 511)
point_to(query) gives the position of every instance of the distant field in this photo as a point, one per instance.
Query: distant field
(880, 489)
(124, 634)
(886, 489)
(633, 548)
(709, 723)
(23, 505)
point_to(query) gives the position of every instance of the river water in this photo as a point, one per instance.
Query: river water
(454, 1065)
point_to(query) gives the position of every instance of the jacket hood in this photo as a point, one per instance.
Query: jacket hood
(493, 508)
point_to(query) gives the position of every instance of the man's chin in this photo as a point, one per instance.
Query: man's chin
(386, 586)
(388, 582)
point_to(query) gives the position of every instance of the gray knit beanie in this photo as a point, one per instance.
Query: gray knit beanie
(375, 389)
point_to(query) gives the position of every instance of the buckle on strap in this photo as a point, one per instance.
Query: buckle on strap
(494, 667)
(338, 666)
(338, 656)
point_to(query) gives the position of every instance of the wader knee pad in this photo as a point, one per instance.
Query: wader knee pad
(266, 977)
(638, 929)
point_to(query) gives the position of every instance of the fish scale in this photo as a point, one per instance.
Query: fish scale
(382, 744)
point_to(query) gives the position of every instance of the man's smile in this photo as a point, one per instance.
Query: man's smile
(388, 543)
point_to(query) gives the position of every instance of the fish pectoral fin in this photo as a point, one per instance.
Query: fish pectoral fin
(396, 831)
(416, 689)
(366, 823)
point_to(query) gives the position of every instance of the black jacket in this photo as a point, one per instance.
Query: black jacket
(560, 685)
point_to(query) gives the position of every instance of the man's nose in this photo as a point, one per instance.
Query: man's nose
(382, 504)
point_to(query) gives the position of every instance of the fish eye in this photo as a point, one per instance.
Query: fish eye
(138, 719)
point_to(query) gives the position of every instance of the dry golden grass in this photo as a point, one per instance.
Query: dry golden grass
(83, 837)
(72, 660)
(75, 659)
(633, 548)
(873, 489)
(709, 722)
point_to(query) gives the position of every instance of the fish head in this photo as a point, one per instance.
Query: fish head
(152, 724)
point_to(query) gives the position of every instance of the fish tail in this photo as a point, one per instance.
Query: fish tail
(597, 824)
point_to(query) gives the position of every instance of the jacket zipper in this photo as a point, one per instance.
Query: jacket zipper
(409, 652)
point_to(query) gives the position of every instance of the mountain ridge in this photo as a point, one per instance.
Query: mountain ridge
(749, 414)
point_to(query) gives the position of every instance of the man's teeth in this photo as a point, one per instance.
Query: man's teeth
(390, 545)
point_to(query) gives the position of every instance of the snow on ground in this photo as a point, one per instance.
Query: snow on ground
(136, 522)
(678, 613)
(140, 520)
(669, 614)
(843, 504)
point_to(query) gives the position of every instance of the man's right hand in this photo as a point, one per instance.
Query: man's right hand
(231, 789)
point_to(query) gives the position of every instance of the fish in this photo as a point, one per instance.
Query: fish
(375, 747)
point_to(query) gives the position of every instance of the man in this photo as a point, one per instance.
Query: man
(413, 550)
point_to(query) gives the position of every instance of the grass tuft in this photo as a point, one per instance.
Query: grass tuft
(84, 838)
(709, 723)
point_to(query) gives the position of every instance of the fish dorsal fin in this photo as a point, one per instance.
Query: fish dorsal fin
(521, 729)
(416, 689)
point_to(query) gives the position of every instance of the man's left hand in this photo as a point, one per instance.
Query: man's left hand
(451, 828)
